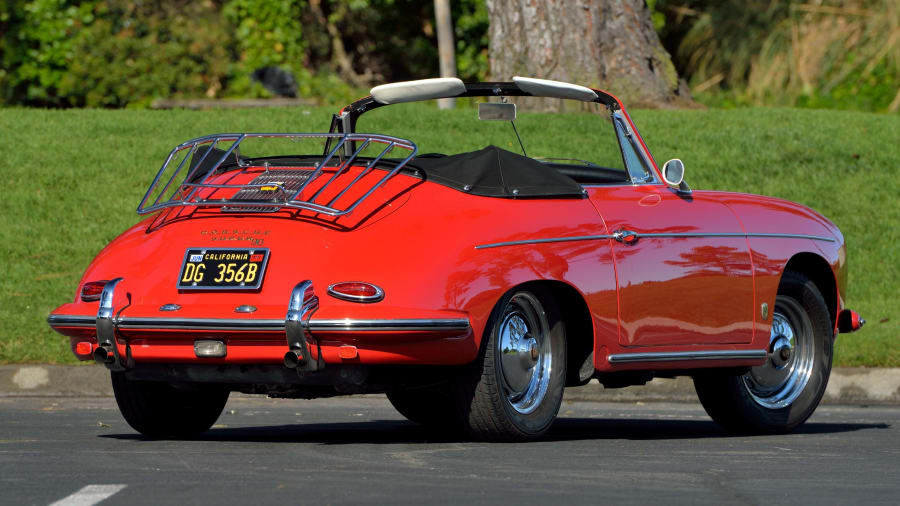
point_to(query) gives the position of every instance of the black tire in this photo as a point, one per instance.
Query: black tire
(759, 402)
(487, 407)
(430, 406)
(159, 410)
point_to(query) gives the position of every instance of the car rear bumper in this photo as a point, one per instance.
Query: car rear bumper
(120, 341)
(385, 341)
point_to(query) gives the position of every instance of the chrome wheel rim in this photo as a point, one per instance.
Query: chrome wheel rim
(777, 383)
(525, 354)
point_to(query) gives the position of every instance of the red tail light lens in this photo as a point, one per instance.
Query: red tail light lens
(91, 290)
(356, 291)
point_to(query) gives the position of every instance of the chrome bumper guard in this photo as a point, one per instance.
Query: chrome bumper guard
(107, 353)
(302, 305)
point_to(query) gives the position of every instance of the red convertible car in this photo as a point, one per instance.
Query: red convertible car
(470, 287)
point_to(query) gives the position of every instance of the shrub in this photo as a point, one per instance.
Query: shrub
(831, 53)
(134, 52)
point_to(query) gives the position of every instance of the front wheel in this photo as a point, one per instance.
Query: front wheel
(513, 390)
(781, 394)
(157, 409)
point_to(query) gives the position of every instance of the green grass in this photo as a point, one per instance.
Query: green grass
(73, 179)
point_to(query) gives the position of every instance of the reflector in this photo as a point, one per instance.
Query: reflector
(347, 352)
(84, 348)
(91, 290)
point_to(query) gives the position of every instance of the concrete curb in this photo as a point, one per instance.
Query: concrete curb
(848, 385)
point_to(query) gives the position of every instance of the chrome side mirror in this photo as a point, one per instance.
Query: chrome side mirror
(673, 175)
(673, 172)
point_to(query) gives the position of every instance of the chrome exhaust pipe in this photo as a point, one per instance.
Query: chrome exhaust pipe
(102, 356)
(293, 359)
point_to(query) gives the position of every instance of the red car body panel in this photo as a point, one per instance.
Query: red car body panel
(694, 281)
(670, 288)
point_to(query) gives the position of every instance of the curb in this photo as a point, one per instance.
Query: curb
(848, 385)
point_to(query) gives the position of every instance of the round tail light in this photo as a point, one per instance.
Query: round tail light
(356, 291)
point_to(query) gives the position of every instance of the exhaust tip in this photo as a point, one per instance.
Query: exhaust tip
(101, 356)
(293, 359)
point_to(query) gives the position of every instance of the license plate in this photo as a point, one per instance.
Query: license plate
(223, 268)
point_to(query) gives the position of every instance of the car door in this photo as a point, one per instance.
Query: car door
(683, 267)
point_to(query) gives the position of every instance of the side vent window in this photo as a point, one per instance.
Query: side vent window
(637, 167)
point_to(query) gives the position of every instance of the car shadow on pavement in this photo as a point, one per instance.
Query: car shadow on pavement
(565, 429)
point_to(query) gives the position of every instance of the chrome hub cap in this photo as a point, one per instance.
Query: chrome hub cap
(777, 383)
(525, 356)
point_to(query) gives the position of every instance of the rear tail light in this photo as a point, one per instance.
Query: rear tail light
(356, 291)
(91, 290)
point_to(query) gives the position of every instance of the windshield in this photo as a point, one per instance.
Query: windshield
(583, 144)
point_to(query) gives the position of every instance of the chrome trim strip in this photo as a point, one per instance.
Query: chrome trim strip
(127, 323)
(796, 236)
(622, 185)
(60, 320)
(460, 324)
(677, 356)
(642, 235)
(542, 241)
(200, 324)
(736, 234)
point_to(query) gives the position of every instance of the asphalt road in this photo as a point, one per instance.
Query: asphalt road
(358, 450)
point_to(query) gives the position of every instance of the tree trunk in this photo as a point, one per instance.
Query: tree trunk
(607, 44)
(446, 51)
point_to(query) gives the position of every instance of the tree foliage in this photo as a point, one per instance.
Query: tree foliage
(816, 53)
(115, 53)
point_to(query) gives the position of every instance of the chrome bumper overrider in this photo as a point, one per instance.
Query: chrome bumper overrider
(298, 327)
(302, 305)
(107, 353)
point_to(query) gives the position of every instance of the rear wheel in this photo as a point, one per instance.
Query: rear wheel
(781, 394)
(513, 390)
(157, 409)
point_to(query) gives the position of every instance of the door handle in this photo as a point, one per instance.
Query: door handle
(625, 236)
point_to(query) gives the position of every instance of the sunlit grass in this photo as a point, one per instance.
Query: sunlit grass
(74, 178)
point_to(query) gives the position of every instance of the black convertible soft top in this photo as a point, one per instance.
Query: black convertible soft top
(496, 172)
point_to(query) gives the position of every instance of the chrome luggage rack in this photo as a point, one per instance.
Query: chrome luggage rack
(344, 149)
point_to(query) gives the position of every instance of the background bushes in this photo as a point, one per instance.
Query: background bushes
(842, 54)
(116, 53)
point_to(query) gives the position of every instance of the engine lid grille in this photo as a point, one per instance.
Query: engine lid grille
(289, 180)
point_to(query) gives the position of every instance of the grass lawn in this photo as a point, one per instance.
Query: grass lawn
(74, 178)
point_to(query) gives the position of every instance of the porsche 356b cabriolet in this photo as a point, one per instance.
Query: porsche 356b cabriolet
(470, 287)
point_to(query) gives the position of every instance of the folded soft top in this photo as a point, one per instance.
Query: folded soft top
(496, 172)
